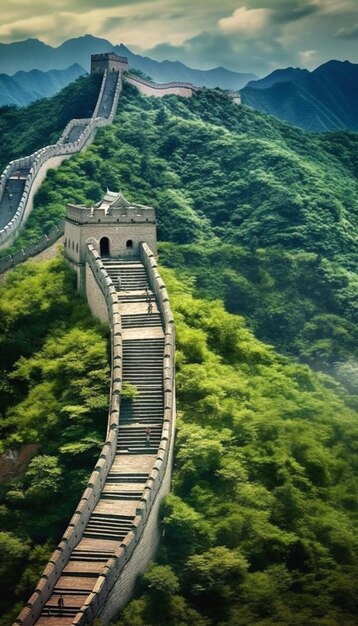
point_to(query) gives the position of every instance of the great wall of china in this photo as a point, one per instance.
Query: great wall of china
(22, 177)
(114, 531)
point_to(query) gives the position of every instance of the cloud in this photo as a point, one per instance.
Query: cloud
(349, 32)
(245, 20)
(308, 58)
(258, 55)
(297, 10)
(243, 35)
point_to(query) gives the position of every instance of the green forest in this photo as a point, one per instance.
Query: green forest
(42, 123)
(54, 386)
(256, 222)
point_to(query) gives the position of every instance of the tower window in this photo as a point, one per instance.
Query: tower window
(129, 243)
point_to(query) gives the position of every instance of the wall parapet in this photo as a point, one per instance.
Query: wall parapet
(92, 492)
(11, 260)
(148, 83)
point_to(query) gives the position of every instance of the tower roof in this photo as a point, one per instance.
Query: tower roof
(112, 207)
(116, 200)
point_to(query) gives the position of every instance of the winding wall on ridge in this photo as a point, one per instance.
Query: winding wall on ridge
(22, 177)
(158, 90)
(115, 579)
(113, 586)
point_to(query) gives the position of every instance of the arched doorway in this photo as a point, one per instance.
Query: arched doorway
(104, 247)
(129, 243)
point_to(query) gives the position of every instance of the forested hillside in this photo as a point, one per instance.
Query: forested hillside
(23, 131)
(54, 382)
(261, 526)
(266, 213)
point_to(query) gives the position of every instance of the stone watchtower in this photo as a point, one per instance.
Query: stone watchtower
(108, 61)
(114, 226)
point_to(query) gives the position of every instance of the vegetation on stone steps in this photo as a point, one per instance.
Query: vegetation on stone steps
(54, 382)
(261, 525)
(26, 130)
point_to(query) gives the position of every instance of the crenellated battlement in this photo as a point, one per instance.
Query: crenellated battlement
(108, 61)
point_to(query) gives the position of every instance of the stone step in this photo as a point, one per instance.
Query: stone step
(126, 478)
(142, 412)
(82, 568)
(112, 525)
(53, 611)
(140, 409)
(73, 584)
(137, 431)
(140, 434)
(145, 401)
(147, 384)
(46, 620)
(121, 495)
(149, 322)
(138, 450)
(71, 603)
(133, 417)
(152, 395)
(154, 380)
(143, 364)
(146, 398)
(83, 555)
(102, 534)
(140, 441)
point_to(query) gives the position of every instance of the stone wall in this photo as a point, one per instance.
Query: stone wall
(91, 495)
(159, 90)
(115, 585)
(51, 156)
(46, 240)
(95, 298)
(147, 541)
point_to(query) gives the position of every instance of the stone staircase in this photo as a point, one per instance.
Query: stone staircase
(139, 437)
(108, 94)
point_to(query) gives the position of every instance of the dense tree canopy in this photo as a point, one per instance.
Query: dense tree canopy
(260, 527)
(54, 374)
(28, 129)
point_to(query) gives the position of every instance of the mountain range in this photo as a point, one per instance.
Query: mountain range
(25, 87)
(323, 100)
(34, 54)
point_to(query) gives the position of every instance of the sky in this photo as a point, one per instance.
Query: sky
(247, 36)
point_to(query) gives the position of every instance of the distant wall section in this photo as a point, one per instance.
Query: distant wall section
(158, 90)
